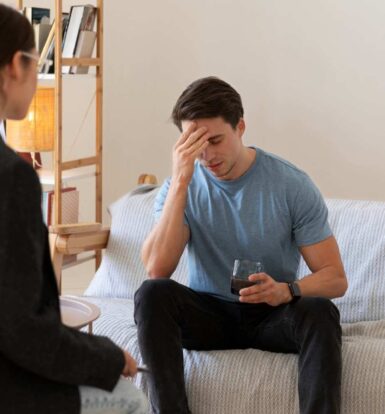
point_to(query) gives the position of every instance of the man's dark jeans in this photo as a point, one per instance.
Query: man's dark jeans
(171, 316)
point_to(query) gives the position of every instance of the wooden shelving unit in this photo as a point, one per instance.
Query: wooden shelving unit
(66, 170)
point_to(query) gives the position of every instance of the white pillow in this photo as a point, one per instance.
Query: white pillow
(121, 272)
(359, 227)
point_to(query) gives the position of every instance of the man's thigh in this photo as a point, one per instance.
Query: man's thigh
(204, 322)
(124, 399)
(284, 327)
(210, 323)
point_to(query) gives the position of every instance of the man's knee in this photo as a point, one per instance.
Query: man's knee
(154, 290)
(318, 310)
(152, 294)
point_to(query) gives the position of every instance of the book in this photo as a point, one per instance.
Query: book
(84, 48)
(41, 30)
(35, 14)
(49, 44)
(70, 206)
(48, 51)
(80, 18)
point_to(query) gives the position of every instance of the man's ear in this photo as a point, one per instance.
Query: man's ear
(241, 126)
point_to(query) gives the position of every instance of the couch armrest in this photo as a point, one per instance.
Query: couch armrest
(75, 228)
(74, 243)
(69, 239)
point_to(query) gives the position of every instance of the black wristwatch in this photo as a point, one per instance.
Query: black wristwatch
(295, 291)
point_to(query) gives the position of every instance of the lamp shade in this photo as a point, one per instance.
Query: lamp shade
(35, 133)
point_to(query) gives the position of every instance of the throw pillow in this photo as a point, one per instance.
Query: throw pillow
(121, 272)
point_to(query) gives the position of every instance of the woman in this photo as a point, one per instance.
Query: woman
(45, 367)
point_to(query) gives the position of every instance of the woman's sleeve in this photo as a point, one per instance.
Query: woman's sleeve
(31, 333)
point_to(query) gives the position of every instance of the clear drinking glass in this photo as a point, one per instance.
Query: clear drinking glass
(241, 272)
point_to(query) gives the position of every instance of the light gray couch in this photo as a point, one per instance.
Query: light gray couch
(253, 381)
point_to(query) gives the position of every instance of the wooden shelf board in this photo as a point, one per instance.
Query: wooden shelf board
(48, 80)
(47, 177)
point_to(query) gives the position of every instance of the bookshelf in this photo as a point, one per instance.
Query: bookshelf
(90, 166)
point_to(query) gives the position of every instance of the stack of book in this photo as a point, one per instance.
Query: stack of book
(78, 35)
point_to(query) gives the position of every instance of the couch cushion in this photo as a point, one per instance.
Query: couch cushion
(253, 381)
(359, 227)
(121, 271)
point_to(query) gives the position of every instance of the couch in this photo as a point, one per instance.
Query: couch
(253, 381)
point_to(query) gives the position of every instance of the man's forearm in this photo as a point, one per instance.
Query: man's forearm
(328, 282)
(165, 244)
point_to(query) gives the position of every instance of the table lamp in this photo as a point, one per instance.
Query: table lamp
(35, 133)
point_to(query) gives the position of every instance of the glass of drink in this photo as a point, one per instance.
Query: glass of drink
(241, 272)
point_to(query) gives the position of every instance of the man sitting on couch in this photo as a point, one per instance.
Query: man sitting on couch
(229, 201)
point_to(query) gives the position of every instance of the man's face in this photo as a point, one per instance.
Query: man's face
(224, 155)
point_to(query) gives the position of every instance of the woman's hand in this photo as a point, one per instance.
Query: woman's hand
(130, 367)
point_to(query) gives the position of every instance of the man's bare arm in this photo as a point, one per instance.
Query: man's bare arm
(164, 246)
(328, 279)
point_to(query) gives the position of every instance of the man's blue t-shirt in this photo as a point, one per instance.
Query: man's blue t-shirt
(264, 215)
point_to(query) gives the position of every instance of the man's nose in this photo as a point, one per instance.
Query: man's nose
(207, 154)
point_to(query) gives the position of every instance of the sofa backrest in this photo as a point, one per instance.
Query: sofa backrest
(359, 227)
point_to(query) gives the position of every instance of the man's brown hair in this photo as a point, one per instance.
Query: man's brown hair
(208, 97)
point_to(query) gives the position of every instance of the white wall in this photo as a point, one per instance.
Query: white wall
(311, 73)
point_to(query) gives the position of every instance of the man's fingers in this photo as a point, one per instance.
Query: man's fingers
(196, 145)
(252, 290)
(199, 150)
(196, 136)
(255, 294)
(259, 277)
(185, 135)
(254, 298)
(261, 285)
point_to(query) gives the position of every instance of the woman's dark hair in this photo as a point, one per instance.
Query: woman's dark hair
(16, 33)
(208, 98)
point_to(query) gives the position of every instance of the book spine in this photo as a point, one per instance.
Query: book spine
(75, 18)
(84, 49)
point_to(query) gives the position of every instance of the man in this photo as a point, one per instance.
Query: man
(228, 201)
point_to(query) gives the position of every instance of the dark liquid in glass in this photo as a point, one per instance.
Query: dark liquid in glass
(238, 284)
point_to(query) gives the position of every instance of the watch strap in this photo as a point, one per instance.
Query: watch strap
(295, 291)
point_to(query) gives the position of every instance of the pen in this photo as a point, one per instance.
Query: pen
(142, 368)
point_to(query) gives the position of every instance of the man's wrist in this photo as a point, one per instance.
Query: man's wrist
(287, 296)
(295, 291)
(179, 184)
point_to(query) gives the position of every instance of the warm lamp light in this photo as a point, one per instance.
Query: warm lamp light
(35, 133)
